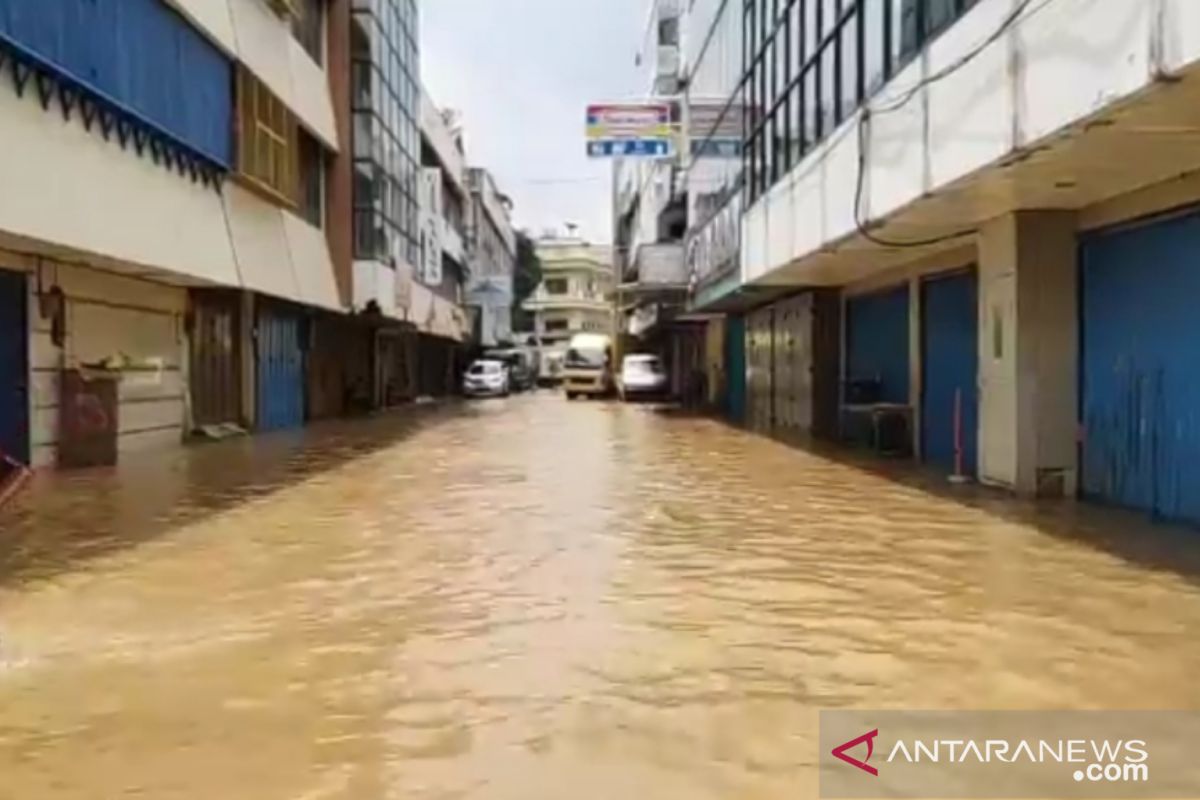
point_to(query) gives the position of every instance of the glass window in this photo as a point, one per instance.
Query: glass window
(829, 98)
(807, 65)
(312, 180)
(812, 108)
(385, 144)
(873, 40)
(849, 76)
(829, 17)
(668, 32)
(938, 14)
(907, 21)
(308, 26)
(795, 143)
(364, 134)
(812, 27)
(267, 153)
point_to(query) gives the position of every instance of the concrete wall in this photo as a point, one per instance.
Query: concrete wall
(109, 316)
(71, 191)
(72, 188)
(1029, 353)
(277, 253)
(441, 140)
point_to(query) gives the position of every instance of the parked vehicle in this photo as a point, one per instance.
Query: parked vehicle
(487, 378)
(552, 366)
(642, 376)
(522, 369)
(587, 367)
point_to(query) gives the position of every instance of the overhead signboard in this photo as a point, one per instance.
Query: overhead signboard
(630, 130)
(717, 148)
(715, 129)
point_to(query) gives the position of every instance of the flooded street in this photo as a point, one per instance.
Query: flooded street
(529, 598)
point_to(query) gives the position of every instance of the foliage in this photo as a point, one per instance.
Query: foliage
(527, 275)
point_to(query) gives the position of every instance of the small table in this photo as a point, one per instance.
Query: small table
(879, 414)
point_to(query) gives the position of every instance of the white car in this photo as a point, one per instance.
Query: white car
(487, 378)
(642, 375)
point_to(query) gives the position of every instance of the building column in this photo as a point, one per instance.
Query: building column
(916, 366)
(1028, 353)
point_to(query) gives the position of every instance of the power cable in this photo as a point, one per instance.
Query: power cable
(867, 113)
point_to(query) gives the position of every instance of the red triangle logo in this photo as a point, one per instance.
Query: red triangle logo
(839, 752)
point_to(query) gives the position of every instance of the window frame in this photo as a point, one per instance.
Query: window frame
(798, 71)
(267, 140)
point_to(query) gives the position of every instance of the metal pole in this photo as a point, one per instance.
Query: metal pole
(958, 476)
(617, 263)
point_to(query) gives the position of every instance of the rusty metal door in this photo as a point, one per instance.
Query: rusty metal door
(761, 368)
(793, 365)
(215, 372)
(14, 367)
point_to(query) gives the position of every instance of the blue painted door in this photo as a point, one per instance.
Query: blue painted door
(877, 342)
(1140, 392)
(735, 361)
(14, 367)
(950, 367)
(280, 371)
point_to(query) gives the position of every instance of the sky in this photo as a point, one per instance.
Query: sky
(521, 72)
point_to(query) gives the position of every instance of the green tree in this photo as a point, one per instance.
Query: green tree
(527, 275)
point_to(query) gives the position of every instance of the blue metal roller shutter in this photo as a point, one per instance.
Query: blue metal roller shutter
(280, 371)
(1140, 392)
(950, 367)
(877, 341)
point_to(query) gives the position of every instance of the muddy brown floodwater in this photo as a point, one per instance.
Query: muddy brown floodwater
(530, 599)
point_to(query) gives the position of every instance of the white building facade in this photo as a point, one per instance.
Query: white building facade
(575, 295)
(492, 252)
(981, 212)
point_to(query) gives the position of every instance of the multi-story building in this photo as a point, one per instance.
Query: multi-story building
(979, 214)
(384, 110)
(492, 253)
(575, 295)
(651, 207)
(218, 226)
(438, 307)
(162, 252)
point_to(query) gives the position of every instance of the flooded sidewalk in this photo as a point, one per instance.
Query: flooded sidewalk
(530, 598)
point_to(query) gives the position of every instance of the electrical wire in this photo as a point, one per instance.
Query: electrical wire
(557, 181)
(895, 105)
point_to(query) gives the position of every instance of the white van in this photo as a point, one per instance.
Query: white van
(587, 366)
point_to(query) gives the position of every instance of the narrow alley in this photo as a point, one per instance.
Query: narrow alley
(530, 598)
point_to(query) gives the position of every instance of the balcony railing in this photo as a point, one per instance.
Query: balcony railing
(659, 266)
(567, 298)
